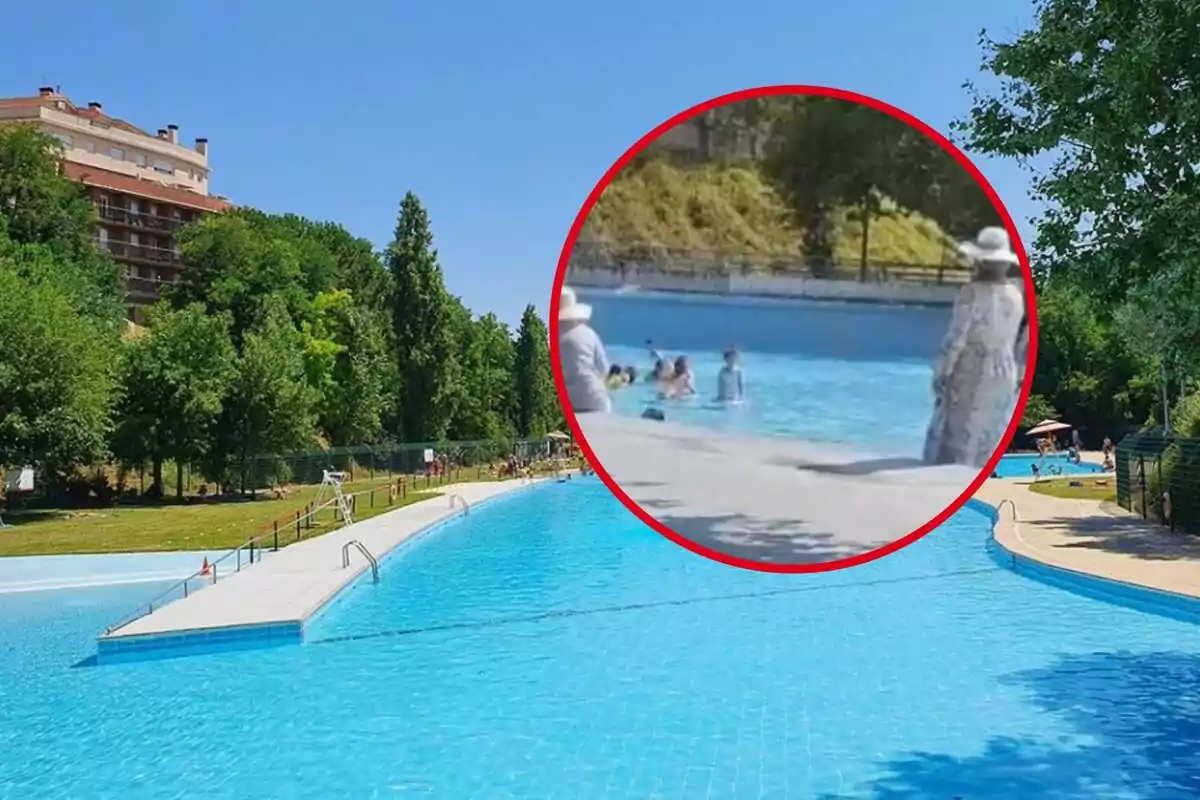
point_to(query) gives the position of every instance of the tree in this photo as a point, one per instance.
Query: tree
(233, 265)
(487, 410)
(58, 368)
(60, 313)
(537, 402)
(270, 408)
(1085, 368)
(1105, 92)
(421, 327)
(176, 378)
(350, 366)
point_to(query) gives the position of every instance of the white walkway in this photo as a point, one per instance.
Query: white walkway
(289, 586)
(769, 500)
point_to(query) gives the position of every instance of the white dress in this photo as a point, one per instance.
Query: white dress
(977, 377)
(585, 369)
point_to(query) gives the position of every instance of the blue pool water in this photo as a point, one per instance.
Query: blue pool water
(849, 374)
(1018, 466)
(549, 645)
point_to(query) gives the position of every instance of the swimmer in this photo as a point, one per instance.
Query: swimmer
(630, 376)
(616, 377)
(662, 373)
(731, 386)
(682, 384)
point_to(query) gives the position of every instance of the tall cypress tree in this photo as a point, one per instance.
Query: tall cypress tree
(537, 404)
(421, 317)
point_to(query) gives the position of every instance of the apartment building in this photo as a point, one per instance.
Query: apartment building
(145, 186)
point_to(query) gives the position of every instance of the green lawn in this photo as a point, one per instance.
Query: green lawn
(1101, 488)
(195, 526)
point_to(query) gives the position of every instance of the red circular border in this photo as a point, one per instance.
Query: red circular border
(629, 155)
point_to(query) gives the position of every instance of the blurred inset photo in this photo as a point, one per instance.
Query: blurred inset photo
(793, 329)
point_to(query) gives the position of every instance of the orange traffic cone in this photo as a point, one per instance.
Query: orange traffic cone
(205, 569)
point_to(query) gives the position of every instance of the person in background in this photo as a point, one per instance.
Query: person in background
(582, 356)
(977, 375)
(731, 386)
(630, 376)
(616, 378)
(682, 384)
(662, 374)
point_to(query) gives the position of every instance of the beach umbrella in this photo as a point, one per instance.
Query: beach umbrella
(1048, 426)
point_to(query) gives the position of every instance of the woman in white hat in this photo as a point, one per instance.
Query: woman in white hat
(581, 354)
(977, 375)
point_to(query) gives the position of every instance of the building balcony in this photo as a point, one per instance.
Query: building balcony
(143, 289)
(141, 253)
(115, 215)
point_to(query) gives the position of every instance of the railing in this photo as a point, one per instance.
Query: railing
(139, 252)
(209, 572)
(629, 260)
(140, 219)
(466, 507)
(355, 543)
(1010, 502)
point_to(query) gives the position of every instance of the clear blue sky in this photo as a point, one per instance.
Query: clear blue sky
(501, 116)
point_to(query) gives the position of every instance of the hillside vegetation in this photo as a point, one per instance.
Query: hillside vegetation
(733, 210)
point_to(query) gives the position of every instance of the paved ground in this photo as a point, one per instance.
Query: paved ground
(773, 501)
(289, 586)
(1095, 537)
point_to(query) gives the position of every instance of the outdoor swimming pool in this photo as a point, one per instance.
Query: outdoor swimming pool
(549, 645)
(1018, 466)
(851, 374)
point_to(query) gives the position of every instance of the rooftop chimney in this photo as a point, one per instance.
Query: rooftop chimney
(162, 133)
(94, 106)
(45, 91)
(202, 146)
(173, 134)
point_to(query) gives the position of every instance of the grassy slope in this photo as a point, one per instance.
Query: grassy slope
(733, 209)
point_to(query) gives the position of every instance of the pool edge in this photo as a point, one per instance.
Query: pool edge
(1124, 594)
(207, 641)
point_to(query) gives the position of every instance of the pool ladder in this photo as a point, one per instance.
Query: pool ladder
(466, 507)
(1011, 503)
(366, 554)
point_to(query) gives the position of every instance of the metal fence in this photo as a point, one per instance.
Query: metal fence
(368, 462)
(1158, 477)
(109, 484)
(631, 258)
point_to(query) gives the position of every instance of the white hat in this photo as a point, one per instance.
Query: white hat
(990, 245)
(569, 310)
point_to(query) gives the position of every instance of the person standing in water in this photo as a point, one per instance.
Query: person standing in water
(977, 375)
(582, 356)
(731, 386)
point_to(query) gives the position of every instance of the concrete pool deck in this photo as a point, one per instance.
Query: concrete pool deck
(274, 597)
(769, 500)
(1093, 537)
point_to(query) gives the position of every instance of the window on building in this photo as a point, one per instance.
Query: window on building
(164, 167)
(117, 153)
(67, 139)
(133, 206)
(89, 145)
(102, 238)
(134, 239)
(139, 159)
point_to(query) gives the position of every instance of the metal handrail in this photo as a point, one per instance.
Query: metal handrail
(462, 501)
(1011, 503)
(366, 553)
(235, 553)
